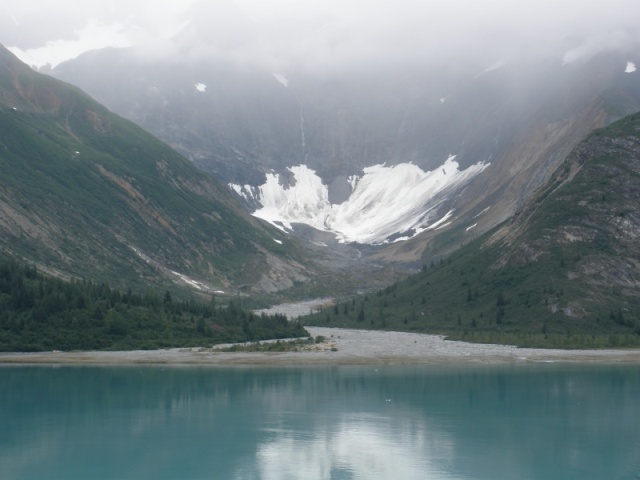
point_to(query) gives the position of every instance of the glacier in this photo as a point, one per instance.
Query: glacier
(387, 203)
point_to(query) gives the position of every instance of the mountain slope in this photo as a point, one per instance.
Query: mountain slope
(511, 125)
(563, 271)
(85, 193)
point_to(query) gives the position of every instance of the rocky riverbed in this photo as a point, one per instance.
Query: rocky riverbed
(340, 347)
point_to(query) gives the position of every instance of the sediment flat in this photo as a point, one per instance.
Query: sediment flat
(342, 347)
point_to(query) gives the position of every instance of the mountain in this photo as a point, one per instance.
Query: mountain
(85, 193)
(564, 271)
(419, 160)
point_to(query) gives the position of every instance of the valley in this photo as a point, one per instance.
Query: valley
(430, 196)
(381, 239)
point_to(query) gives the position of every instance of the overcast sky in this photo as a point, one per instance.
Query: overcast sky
(324, 32)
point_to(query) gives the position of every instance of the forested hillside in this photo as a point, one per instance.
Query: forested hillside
(38, 312)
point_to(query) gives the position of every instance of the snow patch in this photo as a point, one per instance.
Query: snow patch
(189, 281)
(305, 202)
(483, 211)
(499, 64)
(281, 78)
(179, 276)
(353, 181)
(440, 223)
(385, 201)
(246, 191)
(201, 87)
(443, 225)
(277, 241)
(631, 67)
(472, 226)
(401, 239)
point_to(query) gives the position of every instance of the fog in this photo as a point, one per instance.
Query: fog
(325, 35)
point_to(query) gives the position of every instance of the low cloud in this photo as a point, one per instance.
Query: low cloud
(325, 35)
(92, 36)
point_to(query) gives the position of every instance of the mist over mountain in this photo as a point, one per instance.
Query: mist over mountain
(390, 137)
(511, 124)
(347, 120)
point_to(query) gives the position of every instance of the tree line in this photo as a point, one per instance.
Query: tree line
(39, 312)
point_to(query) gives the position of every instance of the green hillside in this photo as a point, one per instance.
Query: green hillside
(38, 312)
(565, 271)
(87, 194)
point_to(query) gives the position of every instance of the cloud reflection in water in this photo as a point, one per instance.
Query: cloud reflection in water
(360, 446)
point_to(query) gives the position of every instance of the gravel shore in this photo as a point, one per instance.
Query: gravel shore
(342, 347)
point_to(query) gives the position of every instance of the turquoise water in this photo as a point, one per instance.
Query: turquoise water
(430, 422)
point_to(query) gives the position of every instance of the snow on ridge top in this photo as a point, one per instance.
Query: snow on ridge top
(281, 78)
(201, 87)
(385, 201)
(631, 67)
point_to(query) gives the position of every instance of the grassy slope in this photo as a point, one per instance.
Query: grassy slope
(563, 272)
(81, 188)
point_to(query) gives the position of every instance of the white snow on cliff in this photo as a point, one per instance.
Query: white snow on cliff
(631, 67)
(384, 202)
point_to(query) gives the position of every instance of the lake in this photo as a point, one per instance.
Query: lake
(543, 421)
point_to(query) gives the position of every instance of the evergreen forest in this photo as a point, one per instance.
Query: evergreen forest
(43, 313)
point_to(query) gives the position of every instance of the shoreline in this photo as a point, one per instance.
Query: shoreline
(341, 347)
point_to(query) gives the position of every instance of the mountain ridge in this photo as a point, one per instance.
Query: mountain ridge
(245, 124)
(88, 194)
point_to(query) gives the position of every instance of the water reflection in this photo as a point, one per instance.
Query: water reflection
(358, 446)
(551, 422)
